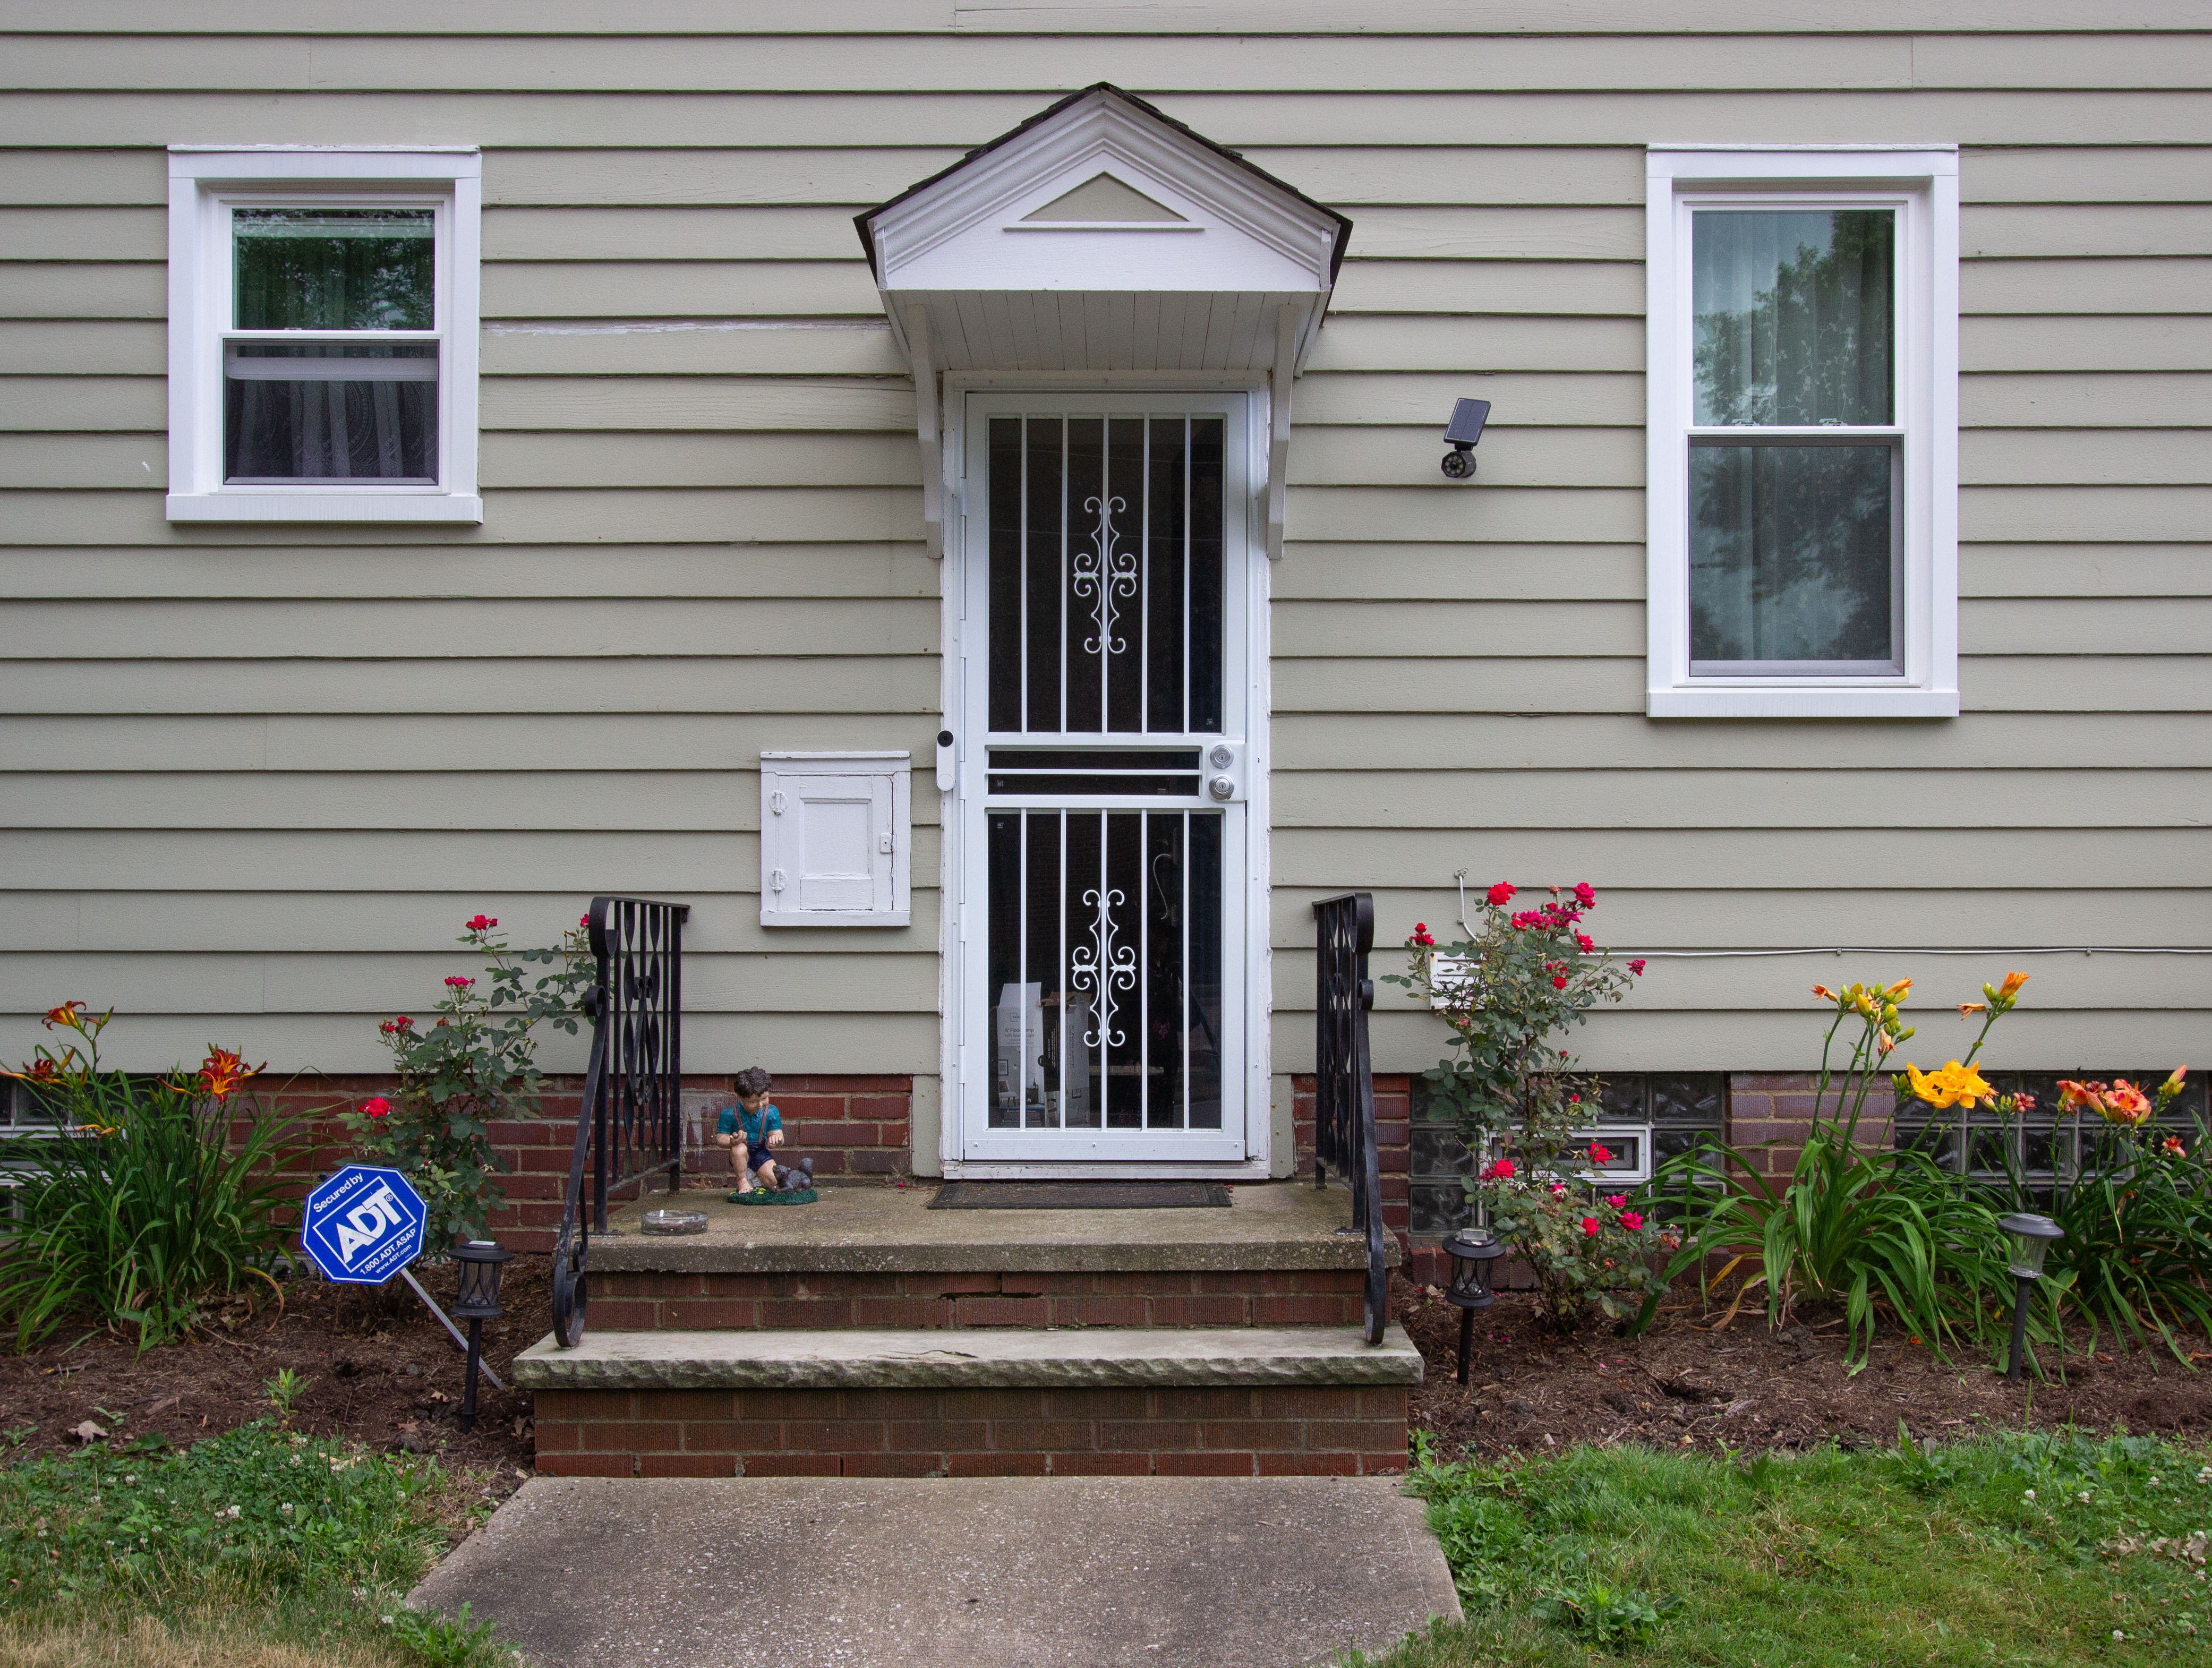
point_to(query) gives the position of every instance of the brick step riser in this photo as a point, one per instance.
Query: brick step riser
(623, 1301)
(1288, 1431)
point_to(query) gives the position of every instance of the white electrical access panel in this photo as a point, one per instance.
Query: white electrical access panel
(836, 830)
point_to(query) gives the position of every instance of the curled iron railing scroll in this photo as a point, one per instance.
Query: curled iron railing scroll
(629, 1121)
(1344, 1079)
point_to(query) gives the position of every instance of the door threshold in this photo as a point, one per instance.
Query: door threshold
(1250, 1169)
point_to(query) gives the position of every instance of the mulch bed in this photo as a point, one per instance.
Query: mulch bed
(380, 1370)
(1690, 1382)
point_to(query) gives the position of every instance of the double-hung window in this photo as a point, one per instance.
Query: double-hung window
(323, 335)
(1803, 435)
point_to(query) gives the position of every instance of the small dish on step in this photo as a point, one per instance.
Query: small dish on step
(676, 1221)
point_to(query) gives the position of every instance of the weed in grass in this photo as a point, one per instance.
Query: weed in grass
(2034, 1549)
(285, 1389)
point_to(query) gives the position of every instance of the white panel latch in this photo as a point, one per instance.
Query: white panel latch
(776, 880)
(775, 802)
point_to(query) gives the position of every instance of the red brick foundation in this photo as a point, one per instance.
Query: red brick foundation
(1778, 1106)
(623, 1301)
(1292, 1431)
(1394, 1113)
(855, 1127)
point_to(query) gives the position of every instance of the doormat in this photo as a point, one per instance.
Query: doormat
(1080, 1196)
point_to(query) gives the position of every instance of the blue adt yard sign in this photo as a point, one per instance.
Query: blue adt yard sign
(363, 1225)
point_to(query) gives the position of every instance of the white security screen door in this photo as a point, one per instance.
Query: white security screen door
(1103, 779)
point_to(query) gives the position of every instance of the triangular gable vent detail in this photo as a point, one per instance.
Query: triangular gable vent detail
(1102, 199)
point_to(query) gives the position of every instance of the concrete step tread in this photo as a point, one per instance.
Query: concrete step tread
(875, 1231)
(977, 1360)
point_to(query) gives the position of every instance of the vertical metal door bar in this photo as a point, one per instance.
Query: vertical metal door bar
(1022, 645)
(1022, 976)
(1105, 938)
(1145, 576)
(1182, 972)
(1186, 724)
(1065, 557)
(1144, 970)
(1059, 973)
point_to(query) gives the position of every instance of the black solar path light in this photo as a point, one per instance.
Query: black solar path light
(1472, 1251)
(2032, 1237)
(482, 1263)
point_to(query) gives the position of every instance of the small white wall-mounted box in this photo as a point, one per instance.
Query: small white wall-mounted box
(834, 832)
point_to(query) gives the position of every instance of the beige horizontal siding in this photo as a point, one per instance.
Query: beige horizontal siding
(255, 776)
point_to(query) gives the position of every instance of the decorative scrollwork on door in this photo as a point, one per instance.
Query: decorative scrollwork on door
(1104, 576)
(1103, 968)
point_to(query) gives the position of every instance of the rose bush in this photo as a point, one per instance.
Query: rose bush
(475, 1063)
(1508, 991)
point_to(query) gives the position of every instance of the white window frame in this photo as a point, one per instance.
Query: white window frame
(204, 183)
(1922, 185)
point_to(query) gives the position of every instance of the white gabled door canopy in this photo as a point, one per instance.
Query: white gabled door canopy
(1098, 236)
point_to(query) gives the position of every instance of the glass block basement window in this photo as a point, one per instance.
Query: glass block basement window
(2043, 1148)
(1646, 1117)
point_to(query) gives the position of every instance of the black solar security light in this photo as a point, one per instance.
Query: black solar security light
(1465, 428)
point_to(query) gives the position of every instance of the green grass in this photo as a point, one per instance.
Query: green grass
(1908, 1555)
(260, 1535)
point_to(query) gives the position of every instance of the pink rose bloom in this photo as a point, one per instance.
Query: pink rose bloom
(1585, 894)
(1631, 1220)
(1616, 1200)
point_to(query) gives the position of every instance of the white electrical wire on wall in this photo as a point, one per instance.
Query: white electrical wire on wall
(1460, 876)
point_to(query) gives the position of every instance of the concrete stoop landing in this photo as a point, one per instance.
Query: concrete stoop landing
(867, 1336)
(1279, 1573)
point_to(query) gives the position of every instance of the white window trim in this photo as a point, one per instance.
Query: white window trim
(201, 179)
(1928, 388)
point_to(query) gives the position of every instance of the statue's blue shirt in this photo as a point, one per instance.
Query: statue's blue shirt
(752, 1126)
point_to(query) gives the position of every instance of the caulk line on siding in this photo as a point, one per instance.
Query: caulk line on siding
(672, 326)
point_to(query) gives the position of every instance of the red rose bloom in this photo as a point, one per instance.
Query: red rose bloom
(1502, 1170)
(458, 982)
(377, 1107)
(1499, 895)
(1598, 1154)
(1421, 934)
(1631, 1220)
(583, 920)
(1558, 981)
(1589, 1228)
(1585, 895)
(1584, 943)
(1637, 967)
(483, 923)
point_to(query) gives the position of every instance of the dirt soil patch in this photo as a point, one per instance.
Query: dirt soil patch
(1690, 1382)
(378, 1370)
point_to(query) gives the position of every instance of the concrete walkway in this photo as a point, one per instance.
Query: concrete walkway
(985, 1573)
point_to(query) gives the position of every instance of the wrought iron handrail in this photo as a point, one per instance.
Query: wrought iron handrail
(629, 1121)
(1344, 1079)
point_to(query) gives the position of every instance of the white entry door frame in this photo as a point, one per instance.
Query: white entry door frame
(1099, 819)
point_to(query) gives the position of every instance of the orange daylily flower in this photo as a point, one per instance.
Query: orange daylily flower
(1825, 994)
(2079, 1097)
(2010, 988)
(1900, 991)
(1968, 1010)
(66, 1015)
(2126, 1104)
(222, 1071)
